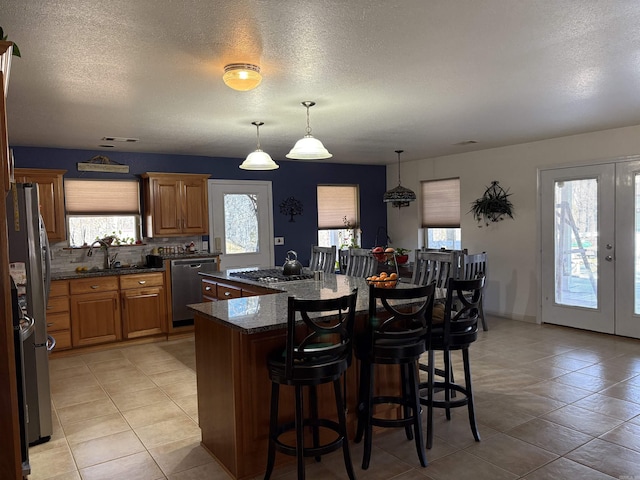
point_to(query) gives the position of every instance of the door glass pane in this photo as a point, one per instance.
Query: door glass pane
(241, 223)
(636, 276)
(576, 243)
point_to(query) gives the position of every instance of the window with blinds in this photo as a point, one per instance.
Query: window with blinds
(441, 213)
(100, 208)
(338, 215)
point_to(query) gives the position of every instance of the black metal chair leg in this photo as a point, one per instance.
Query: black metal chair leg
(273, 428)
(417, 418)
(469, 388)
(342, 421)
(362, 399)
(406, 397)
(368, 428)
(430, 400)
(313, 404)
(299, 432)
(447, 382)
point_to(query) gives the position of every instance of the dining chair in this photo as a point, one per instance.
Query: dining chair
(316, 352)
(361, 263)
(456, 331)
(436, 266)
(474, 265)
(323, 259)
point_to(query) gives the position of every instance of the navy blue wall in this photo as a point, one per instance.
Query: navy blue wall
(293, 179)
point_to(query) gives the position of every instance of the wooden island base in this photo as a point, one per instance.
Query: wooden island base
(234, 393)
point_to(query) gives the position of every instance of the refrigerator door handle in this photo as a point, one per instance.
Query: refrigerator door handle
(47, 261)
(51, 343)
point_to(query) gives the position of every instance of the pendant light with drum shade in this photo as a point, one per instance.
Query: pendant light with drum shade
(258, 159)
(308, 147)
(399, 196)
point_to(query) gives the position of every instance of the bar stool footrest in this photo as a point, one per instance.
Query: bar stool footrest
(310, 451)
(391, 422)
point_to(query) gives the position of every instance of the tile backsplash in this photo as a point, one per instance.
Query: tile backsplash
(65, 259)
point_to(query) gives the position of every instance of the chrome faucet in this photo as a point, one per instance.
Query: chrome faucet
(108, 260)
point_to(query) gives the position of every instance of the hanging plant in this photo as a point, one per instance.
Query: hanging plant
(493, 206)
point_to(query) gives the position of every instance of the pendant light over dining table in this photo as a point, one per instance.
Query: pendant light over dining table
(308, 147)
(399, 196)
(258, 159)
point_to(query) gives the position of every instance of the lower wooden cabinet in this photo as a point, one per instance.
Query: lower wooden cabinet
(143, 305)
(95, 318)
(59, 314)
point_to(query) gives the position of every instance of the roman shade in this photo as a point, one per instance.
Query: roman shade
(335, 202)
(102, 197)
(441, 203)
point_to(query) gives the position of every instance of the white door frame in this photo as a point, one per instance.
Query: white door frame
(626, 321)
(265, 216)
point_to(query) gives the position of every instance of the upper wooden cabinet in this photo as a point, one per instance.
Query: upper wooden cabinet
(51, 196)
(175, 204)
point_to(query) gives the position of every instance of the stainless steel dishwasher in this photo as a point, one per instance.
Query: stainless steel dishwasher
(185, 286)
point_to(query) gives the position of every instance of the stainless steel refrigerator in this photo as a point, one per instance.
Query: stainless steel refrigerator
(30, 266)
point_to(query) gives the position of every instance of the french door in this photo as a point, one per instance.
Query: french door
(241, 222)
(590, 247)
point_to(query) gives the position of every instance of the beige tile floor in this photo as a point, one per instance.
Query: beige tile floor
(552, 403)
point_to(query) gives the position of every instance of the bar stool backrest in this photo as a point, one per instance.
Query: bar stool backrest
(326, 342)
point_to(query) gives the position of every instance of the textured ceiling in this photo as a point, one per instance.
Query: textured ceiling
(418, 75)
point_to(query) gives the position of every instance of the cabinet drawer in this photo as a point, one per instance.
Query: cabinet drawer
(57, 304)
(63, 340)
(95, 284)
(59, 288)
(225, 292)
(208, 288)
(141, 280)
(58, 321)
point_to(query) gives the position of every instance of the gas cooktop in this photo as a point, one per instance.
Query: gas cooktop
(270, 275)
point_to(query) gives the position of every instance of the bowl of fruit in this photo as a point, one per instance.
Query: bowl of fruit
(383, 280)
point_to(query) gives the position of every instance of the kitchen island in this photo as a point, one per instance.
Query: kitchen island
(232, 341)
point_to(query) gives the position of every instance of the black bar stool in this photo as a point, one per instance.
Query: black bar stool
(318, 352)
(455, 331)
(395, 335)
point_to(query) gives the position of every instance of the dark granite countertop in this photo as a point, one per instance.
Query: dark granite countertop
(269, 312)
(70, 275)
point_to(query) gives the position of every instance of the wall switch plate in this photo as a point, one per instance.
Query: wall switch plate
(278, 241)
(205, 245)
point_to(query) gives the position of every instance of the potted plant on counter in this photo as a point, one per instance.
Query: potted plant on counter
(401, 256)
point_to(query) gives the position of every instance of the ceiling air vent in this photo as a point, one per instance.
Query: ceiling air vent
(120, 139)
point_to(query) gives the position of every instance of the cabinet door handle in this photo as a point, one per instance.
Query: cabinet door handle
(142, 282)
(95, 287)
(208, 289)
(227, 294)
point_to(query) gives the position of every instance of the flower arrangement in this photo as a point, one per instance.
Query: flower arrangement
(347, 236)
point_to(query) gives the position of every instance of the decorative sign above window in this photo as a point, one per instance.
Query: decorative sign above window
(100, 163)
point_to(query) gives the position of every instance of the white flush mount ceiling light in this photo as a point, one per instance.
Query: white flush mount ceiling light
(259, 160)
(308, 147)
(399, 196)
(242, 76)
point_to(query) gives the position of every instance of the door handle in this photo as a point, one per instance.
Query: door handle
(608, 258)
